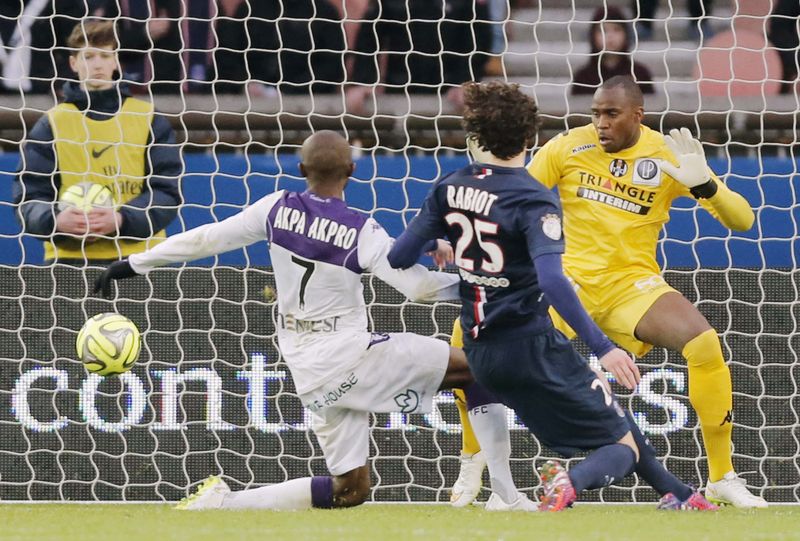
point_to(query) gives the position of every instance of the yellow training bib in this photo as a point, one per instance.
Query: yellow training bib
(107, 152)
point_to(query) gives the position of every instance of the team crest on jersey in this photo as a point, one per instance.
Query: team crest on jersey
(618, 167)
(646, 172)
(551, 226)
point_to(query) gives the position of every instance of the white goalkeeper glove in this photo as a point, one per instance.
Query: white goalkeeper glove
(692, 170)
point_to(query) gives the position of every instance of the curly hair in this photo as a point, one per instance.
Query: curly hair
(500, 118)
(93, 33)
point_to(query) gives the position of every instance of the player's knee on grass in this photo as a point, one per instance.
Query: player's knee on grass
(458, 374)
(352, 488)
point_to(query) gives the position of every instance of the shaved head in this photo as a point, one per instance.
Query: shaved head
(325, 158)
(632, 91)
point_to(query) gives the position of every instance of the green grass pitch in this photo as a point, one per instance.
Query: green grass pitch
(391, 522)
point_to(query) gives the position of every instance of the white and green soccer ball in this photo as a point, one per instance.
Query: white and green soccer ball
(85, 196)
(108, 344)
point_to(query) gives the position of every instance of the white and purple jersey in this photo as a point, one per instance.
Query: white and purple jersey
(319, 249)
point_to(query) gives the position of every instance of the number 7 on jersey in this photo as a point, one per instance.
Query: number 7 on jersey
(309, 267)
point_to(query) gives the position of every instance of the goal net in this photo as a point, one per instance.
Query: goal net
(242, 84)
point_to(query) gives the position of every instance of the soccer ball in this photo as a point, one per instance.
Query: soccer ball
(108, 344)
(85, 196)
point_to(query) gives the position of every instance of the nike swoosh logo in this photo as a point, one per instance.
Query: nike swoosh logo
(97, 153)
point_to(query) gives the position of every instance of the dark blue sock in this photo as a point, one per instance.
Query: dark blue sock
(477, 395)
(652, 471)
(603, 467)
(322, 492)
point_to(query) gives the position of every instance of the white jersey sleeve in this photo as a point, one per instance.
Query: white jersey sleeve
(417, 283)
(243, 229)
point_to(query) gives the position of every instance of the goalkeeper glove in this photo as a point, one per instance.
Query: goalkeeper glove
(118, 270)
(692, 170)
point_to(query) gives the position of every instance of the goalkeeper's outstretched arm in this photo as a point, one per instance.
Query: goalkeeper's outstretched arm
(731, 209)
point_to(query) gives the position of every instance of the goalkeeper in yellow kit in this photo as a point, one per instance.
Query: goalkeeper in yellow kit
(617, 180)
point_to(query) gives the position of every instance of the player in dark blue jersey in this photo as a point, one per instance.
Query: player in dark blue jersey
(506, 231)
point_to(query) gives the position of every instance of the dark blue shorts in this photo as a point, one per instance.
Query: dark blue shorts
(552, 389)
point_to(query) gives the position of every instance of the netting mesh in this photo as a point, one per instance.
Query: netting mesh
(242, 84)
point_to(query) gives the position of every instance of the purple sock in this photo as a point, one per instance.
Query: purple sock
(322, 492)
(477, 395)
(653, 471)
(603, 467)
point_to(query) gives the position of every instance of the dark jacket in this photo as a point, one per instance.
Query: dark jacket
(139, 53)
(298, 46)
(784, 35)
(595, 71)
(426, 42)
(36, 186)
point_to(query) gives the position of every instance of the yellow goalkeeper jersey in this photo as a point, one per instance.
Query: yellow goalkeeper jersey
(616, 204)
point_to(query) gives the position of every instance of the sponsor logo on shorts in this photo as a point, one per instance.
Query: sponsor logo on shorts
(407, 401)
(331, 396)
(650, 283)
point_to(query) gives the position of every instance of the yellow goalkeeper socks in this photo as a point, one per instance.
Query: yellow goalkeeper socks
(469, 443)
(711, 395)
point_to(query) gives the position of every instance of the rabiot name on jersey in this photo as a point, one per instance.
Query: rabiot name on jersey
(470, 199)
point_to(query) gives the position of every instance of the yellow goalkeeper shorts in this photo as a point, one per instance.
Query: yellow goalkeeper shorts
(619, 307)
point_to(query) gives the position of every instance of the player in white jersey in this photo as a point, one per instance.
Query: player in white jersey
(319, 249)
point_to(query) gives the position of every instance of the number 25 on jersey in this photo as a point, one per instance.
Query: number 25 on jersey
(474, 230)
